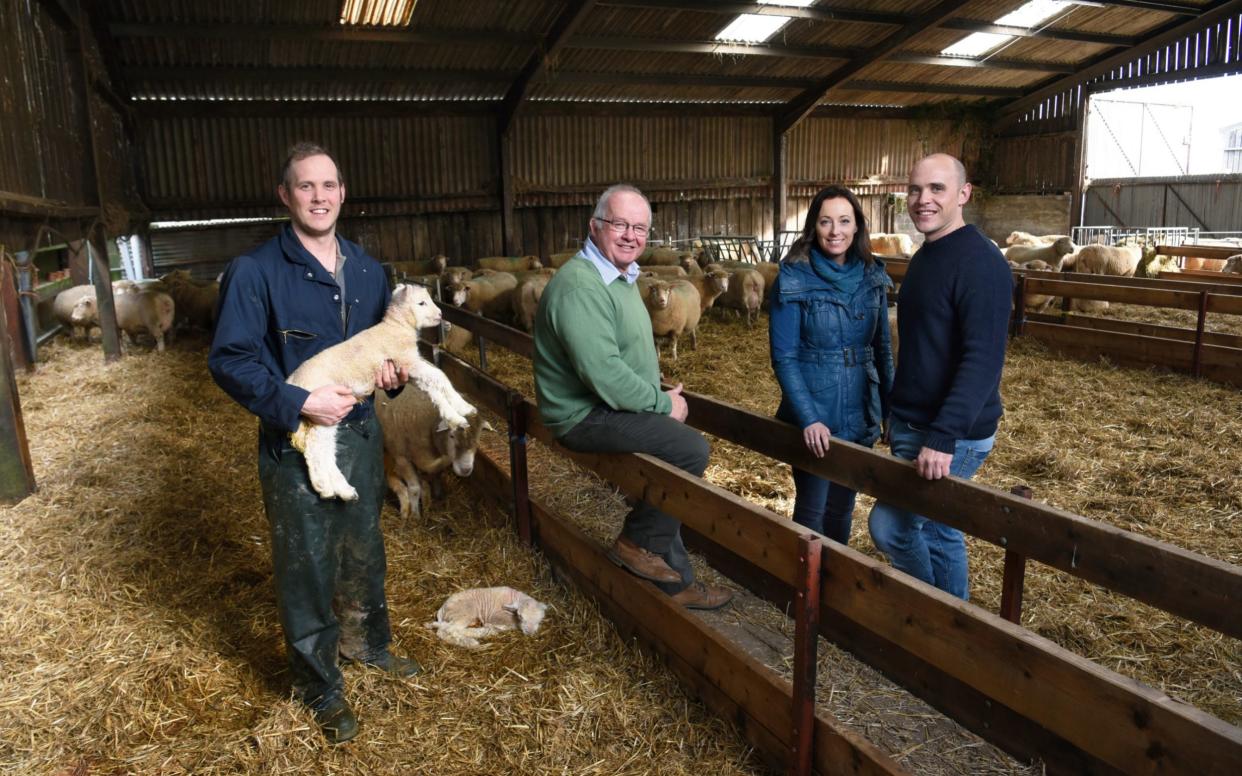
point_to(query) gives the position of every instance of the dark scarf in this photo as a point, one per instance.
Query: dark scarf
(844, 279)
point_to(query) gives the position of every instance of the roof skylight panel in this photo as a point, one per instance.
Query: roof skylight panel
(756, 28)
(1033, 14)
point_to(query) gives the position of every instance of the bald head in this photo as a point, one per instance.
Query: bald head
(936, 195)
(945, 162)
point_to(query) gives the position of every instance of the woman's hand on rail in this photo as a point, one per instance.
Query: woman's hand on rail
(816, 437)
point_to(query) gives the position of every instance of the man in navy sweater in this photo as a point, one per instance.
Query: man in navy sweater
(952, 321)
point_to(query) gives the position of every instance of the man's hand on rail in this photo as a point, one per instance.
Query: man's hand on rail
(680, 408)
(933, 464)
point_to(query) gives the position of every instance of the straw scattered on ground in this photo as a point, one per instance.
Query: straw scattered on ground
(139, 631)
(1150, 451)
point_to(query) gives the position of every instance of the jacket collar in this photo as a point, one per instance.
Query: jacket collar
(797, 276)
(296, 253)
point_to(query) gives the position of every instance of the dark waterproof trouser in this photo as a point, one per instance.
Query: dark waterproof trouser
(608, 431)
(327, 557)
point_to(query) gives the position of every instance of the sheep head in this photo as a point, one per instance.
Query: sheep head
(84, 312)
(658, 295)
(529, 613)
(460, 443)
(412, 306)
(718, 279)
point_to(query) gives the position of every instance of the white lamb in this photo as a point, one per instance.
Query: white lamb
(470, 615)
(354, 362)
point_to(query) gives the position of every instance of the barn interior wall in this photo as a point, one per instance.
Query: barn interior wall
(1032, 164)
(998, 215)
(418, 186)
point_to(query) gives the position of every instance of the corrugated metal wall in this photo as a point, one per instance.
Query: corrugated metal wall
(1208, 202)
(41, 109)
(833, 150)
(229, 166)
(553, 154)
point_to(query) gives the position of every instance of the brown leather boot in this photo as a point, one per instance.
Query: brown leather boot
(641, 562)
(700, 596)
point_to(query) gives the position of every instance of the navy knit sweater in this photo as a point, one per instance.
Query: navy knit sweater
(952, 321)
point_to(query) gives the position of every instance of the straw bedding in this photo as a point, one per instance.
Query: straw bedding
(139, 632)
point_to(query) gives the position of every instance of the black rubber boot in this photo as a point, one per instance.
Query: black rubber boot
(327, 558)
(336, 719)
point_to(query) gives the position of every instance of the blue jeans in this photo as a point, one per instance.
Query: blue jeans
(923, 548)
(823, 506)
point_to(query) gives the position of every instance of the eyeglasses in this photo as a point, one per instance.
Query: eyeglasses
(621, 227)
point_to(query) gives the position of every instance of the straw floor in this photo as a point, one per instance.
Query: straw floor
(139, 635)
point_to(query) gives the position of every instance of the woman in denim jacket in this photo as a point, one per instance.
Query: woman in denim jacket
(831, 348)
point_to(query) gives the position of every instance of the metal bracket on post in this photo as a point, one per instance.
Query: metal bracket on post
(1196, 366)
(1014, 578)
(517, 467)
(806, 643)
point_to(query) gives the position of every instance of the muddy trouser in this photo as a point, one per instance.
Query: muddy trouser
(327, 557)
(606, 430)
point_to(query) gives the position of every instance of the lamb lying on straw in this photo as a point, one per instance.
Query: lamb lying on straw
(354, 362)
(470, 615)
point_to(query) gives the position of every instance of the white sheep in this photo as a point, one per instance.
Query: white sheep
(509, 263)
(354, 362)
(1050, 253)
(470, 615)
(674, 310)
(419, 445)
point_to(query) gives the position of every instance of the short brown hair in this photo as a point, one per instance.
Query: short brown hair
(303, 150)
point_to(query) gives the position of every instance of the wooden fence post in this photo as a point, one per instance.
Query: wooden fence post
(16, 470)
(806, 643)
(1014, 578)
(1019, 310)
(517, 466)
(1196, 365)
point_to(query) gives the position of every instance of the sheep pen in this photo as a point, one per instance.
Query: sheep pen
(1149, 451)
(141, 634)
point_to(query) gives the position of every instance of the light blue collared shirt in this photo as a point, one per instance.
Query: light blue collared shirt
(607, 270)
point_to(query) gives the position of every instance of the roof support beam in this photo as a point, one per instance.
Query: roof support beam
(610, 43)
(897, 86)
(320, 34)
(1180, 9)
(733, 9)
(1168, 35)
(571, 16)
(804, 103)
(992, 63)
(971, 25)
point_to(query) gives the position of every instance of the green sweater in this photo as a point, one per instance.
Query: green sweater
(593, 346)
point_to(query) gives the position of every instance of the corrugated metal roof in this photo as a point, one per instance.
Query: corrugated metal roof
(509, 33)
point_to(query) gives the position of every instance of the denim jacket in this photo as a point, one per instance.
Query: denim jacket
(832, 355)
(278, 307)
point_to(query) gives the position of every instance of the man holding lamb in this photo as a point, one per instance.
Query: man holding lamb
(296, 295)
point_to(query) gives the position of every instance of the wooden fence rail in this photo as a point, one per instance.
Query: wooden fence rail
(1091, 718)
(1019, 690)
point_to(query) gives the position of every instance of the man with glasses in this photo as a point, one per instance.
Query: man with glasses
(597, 377)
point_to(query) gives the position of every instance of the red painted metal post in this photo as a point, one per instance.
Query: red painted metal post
(1015, 574)
(517, 466)
(806, 644)
(1196, 367)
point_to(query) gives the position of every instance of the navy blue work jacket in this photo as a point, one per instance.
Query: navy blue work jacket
(832, 355)
(278, 307)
